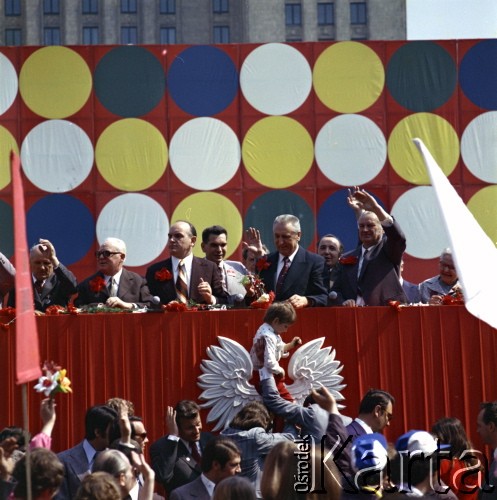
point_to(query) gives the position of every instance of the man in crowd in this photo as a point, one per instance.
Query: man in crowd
(486, 426)
(293, 273)
(330, 248)
(375, 413)
(53, 283)
(221, 459)
(214, 245)
(410, 289)
(7, 276)
(113, 285)
(176, 456)
(433, 289)
(183, 276)
(78, 460)
(369, 275)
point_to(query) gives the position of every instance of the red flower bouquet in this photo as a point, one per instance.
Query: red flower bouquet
(175, 306)
(163, 275)
(348, 260)
(97, 284)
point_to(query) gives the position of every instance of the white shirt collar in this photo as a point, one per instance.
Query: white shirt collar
(209, 485)
(291, 257)
(364, 425)
(117, 277)
(90, 453)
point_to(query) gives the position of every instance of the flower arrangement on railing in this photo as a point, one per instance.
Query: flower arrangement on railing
(176, 306)
(263, 299)
(53, 380)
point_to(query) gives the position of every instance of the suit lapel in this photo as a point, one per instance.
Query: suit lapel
(294, 270)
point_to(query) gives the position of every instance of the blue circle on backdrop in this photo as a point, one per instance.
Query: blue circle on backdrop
(202, 80)
(268, 206)
(129, 81)
(421, 76)
(66, 222)
(6, 229)
(478, 74)
(336, 217)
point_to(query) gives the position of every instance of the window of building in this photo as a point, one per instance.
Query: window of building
(167, 35)
(90, 6)
(129, 35)
(293, 14)
(220, 6)
(325, 14)
(221, 34)
(128, 7)
(358, 13)
(13, 37)
(51, 36)
(51, 7)
(12, 7)
(90, 35)
(167, 7)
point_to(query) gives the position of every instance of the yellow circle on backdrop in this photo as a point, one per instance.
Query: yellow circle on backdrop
(348, 77)
(277, 151)
(131, 154)
(55, 82)
(438, 136)
(7, 144)
(482, 205)
(209, 209)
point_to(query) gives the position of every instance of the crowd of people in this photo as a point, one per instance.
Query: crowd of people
(369, 275)
(319, 453)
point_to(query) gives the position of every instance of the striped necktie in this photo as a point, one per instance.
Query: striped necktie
(181, 286)
(282, 275)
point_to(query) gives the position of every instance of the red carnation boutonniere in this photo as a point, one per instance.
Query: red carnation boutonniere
(97, 284)
(163, 274)
(262, 264)
(348, 260)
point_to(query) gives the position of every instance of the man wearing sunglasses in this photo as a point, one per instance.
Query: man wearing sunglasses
(113, 285)
(434, 289)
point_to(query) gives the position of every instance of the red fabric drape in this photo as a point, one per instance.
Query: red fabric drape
(436, 361)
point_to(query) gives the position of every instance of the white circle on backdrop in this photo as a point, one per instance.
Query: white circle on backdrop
(9, 84)
(350, 150)
(140, 222)
(57, 156)
(275, 78)
(204, 153)
(419, 216)
(479, 147)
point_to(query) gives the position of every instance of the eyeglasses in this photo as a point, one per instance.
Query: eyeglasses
(105, 253)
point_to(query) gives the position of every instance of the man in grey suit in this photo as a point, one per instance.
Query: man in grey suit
(199, 277)
(293, 273)
(214, 245)
(78, 460)
(221, 459)
(369, 275)
(113, 285)
(375, 413)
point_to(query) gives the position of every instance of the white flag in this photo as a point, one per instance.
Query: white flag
(474, 253)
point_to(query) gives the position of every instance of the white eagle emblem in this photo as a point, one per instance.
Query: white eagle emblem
(226, 377)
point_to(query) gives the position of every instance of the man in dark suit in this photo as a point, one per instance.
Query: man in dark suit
(221, 459)
(7, 276)
(375, 413)
(410, 289)
(176, 456)
(183, 276)
(486, 426)
(53, 283)
(79, 460)
(369, 275)
(113, 285)
(293, 273)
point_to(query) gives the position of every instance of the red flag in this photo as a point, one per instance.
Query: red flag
(27, 349)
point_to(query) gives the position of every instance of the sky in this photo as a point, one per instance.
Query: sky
(451, 19)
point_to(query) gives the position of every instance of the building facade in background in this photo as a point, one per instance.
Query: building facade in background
(90, 22)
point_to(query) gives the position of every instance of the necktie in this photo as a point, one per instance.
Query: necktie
(39, 286)
(181, 286)
(361, 262)
(282, 275)
(112, 287)
(195, 453)
(222, 277)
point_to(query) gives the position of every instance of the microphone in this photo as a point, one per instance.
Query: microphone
(155, 305)
(239, 297)
(155, 300)
(332, 295)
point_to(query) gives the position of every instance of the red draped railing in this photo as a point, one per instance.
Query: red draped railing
(436, 361)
